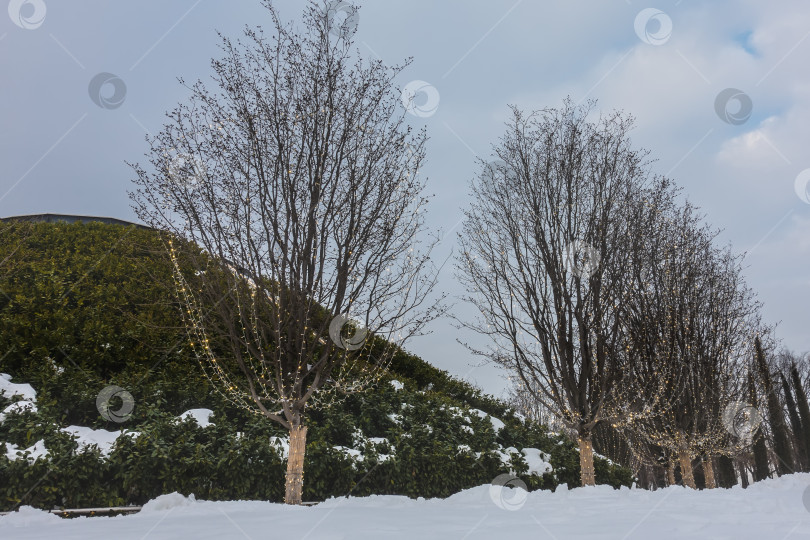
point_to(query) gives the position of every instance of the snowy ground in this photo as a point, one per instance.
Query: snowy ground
(771, 510)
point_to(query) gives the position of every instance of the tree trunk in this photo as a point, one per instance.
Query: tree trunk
(686, 468)
(708, 473)
(586, 461)
(726, 475)
(743, 474)
(295, 465)
(671, 473)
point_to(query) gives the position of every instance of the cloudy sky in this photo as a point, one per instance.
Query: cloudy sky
(738, 153)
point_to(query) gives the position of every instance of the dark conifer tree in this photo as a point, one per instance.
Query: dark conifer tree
(776, 418)
(761, 466)
(795, 425)
(804, 408)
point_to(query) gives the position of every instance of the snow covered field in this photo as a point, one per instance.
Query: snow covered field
(771, 510)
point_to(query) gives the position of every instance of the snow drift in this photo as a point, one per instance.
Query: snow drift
(773, 509)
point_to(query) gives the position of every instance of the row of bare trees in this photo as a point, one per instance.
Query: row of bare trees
(608, 298)
(766, 432)
(293, 189)
(548, 245)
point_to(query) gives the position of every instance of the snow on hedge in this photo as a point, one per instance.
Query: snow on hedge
(87, 437)
(10, 389)
(350, 452)
(505, 454)
(359, 440)
(458, 412)
(537, 461)
(282, 445)
(18, 407)
(35, 451)
(497, 425)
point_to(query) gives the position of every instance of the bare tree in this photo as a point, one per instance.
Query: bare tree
(690, 322)
(552, 234)
(522, 399)
(300, 182)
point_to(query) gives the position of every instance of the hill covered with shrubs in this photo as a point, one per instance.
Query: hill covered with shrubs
(88, 306)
